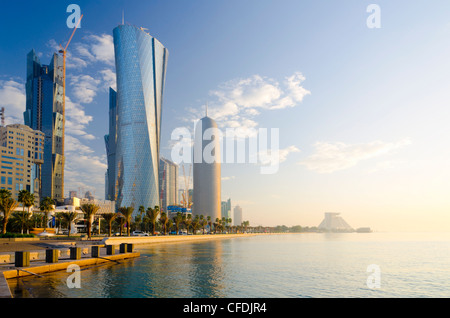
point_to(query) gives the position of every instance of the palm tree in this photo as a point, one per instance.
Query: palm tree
(59, 218)
(203, 223)
(177, 220)
(5, 194)
(163, 219)
(47, 205)
(208, 218)
(127, 213)
(169, 224)
(23, 219)
(141, 212)
(153, 215)
(69, 217)
(195, 224)
(245, 224)
(89, 210)
(26, 198)
(216, 225)
(121, 220)
(36, 219)
(187, 220)
(146, 222)
(109, 218)
(7, 206)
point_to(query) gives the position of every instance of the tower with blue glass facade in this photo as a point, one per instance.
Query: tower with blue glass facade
(45, 112)
(110, 143)
(141, 62)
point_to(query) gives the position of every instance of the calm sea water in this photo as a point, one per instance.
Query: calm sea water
(275, 266)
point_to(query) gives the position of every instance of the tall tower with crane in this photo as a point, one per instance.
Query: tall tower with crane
(45, 111)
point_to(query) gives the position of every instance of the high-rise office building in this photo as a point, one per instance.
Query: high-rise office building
(168, 183)
(110, 143)
(207, 173)
(22, 154)
(226, 209)
(141, 62)
(45, 112)
(237, 220)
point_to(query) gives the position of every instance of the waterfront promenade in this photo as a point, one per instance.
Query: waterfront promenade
(10, 246)
(38, 247)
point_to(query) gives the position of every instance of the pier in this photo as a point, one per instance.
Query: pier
(35, 263)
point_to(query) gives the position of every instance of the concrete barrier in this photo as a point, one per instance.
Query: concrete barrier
(130, 248)
(110, 250)
(5, 258)
(22, 259)
(75, 253)
(123, 248)
(51, 256)
(95, 251)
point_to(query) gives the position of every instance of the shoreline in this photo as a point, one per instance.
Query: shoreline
(43, 244)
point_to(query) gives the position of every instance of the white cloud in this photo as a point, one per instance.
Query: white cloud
(330, 157)
(296, 90)
(13, 99)
(266, 157)
(103, 48)
(236, 103)
(283, 153)
(109, 78)
(93, 48)
(228, 178)
(84, 87)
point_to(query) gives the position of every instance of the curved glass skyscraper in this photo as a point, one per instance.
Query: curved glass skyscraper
(141, 62)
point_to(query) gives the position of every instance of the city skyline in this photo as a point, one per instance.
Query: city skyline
(361, 111)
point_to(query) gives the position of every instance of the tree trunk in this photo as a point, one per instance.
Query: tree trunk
(89, 229)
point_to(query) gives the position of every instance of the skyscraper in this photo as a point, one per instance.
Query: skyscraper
(207, 169)
(237, 220)
(110, 143)
(141, 62)
(168, 183)
(45, 112)
(226, 209)
(22, 154)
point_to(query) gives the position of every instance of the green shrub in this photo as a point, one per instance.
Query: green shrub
(15, 235)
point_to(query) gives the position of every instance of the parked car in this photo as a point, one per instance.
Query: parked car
(139, 233)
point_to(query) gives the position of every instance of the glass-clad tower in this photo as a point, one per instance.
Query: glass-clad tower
(45, 112)
(141, 62)
(110, 143)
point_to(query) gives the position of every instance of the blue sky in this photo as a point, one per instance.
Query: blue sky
(362, 113)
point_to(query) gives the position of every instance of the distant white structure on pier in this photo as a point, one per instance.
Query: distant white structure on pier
(333, 222)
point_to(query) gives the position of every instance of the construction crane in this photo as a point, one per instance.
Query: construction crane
(63, 51)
